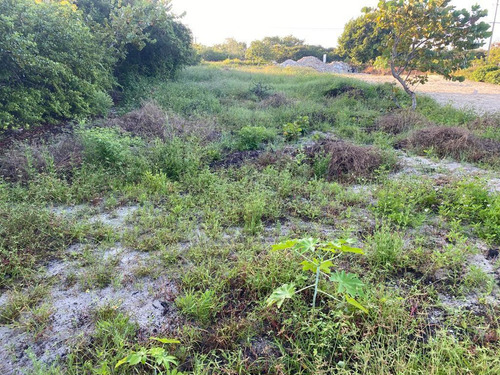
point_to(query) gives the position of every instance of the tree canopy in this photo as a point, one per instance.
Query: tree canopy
(361, 39)
(428, 36)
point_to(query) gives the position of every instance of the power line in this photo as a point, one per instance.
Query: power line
(492, 30)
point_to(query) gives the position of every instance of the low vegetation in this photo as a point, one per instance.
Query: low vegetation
(252, 220)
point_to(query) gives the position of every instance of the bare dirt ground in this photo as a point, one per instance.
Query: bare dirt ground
(481, 97)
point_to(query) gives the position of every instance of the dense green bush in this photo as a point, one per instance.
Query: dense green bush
(53, 67)
(251, 137)
(60, 58)
(493, 77)
(481, 73)
(148, 37)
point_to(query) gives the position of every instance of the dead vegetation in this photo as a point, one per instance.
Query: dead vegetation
(345, 89)
(60, 154)
(148, 122)
(347, 162)
(274, 101)
(401, 121)
(456, 142)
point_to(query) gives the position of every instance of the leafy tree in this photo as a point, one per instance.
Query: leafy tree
(52, 66)
(230, 49)
(259, 51)
(428, 36)
(361, 39)
(283, 48)
(145, 35)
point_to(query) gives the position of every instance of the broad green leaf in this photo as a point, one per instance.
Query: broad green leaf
(156, 352)
(166, 360)
(284, 245)
(355, 303)
(121, 362)
(165, 341)
(137, 357)
(306, 245)
(348, 283)
(309, 266)
(349, 249)
(279, 295)
(313, 266)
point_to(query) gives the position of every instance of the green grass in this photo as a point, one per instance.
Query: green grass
(226, 184)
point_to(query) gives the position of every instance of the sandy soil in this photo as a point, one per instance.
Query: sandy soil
(481, 97)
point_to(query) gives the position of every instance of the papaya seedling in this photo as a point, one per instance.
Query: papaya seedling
(319, 260)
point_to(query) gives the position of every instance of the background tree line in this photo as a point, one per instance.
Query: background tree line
(268, 49)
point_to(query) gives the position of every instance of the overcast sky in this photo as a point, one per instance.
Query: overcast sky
(316, 21)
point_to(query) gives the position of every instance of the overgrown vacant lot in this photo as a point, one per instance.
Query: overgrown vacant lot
(160, 223)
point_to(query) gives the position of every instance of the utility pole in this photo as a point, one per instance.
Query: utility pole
(492, 30)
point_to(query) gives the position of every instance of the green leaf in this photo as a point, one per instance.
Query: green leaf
(165, 341)
(280, 294)
(349, 249)
(121, 362)
(284, 245)
(137, 357)
(166, 360)
(348, 283)
(156, 352)
(313, 266)
(306, 245)
(355, 303)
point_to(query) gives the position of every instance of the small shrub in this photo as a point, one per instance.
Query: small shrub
(480, 73)
(261, 90)
(292, 130)
(252, 137)
(174, 158)
(493, 77)
(108, 148)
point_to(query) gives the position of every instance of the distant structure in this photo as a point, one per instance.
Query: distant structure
(321, 66)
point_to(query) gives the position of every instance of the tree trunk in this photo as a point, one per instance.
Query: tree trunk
(405, 86)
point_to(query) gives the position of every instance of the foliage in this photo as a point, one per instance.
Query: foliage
(361, 39)
(261, 90)
(107, 148)
(231, 49)
(46, 77)
(154, 359)
(252, 137)
(282, 48)
(200, 305)
(428, 36)
(292, 130)
(318, 259)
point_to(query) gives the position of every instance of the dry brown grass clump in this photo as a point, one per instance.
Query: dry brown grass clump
(348, 162)
(401, 121)
(274, 101)
(61, 153)
(148, 122)
(206, 130)
(484, 122)
(455, 142)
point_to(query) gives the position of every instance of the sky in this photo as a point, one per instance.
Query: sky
(316, 21)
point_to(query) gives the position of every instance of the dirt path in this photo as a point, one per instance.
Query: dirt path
(481, 97)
